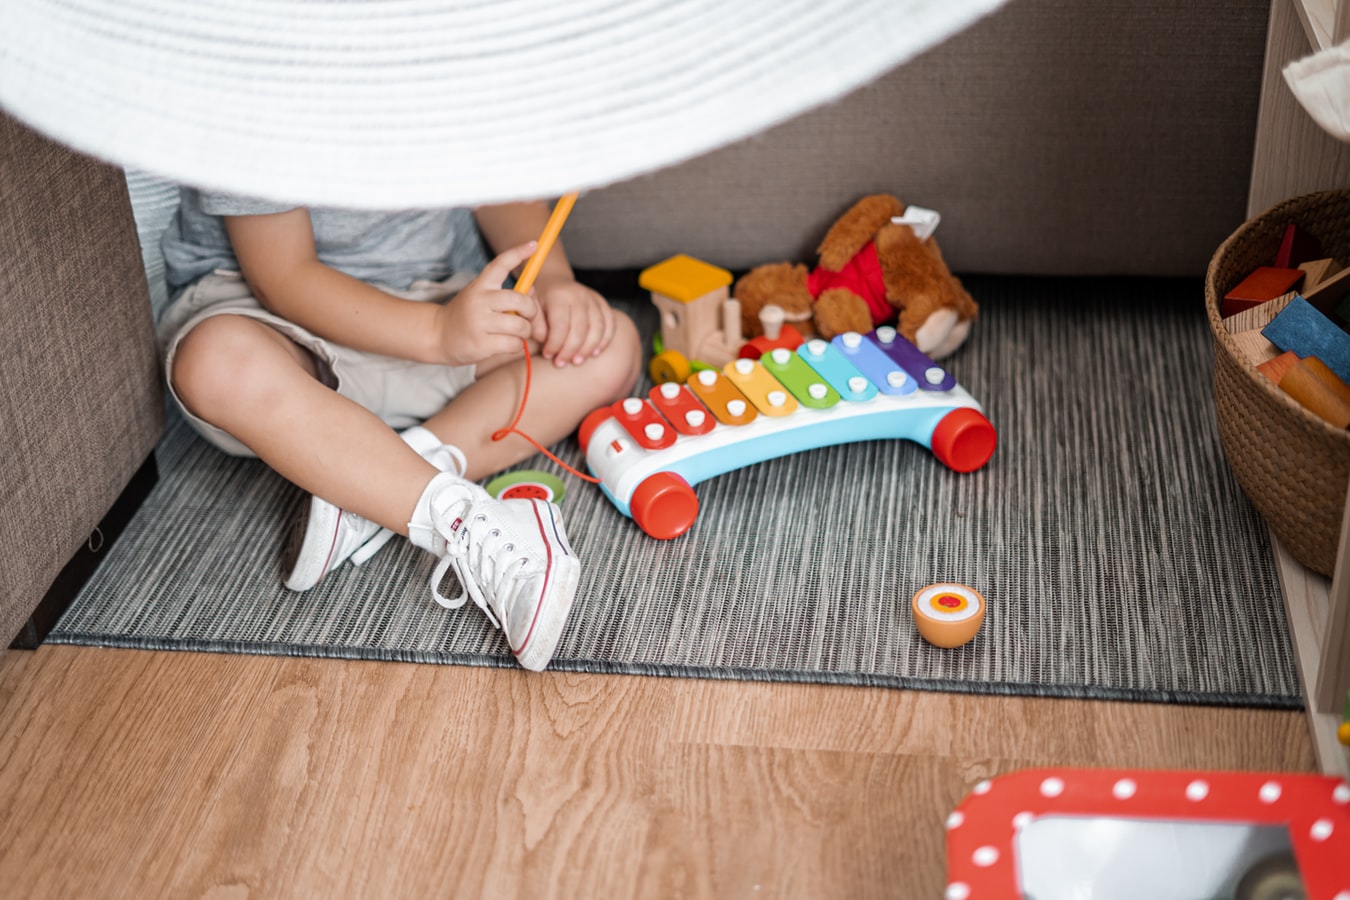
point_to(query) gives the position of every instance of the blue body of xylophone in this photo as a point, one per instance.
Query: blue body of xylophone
(648, 453)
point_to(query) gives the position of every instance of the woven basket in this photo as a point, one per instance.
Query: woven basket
(1291, 463)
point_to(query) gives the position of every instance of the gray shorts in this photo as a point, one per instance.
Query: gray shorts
(400, 392)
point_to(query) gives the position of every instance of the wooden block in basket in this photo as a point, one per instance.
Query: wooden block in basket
(1317, 271)
(1277, 367)
(1258, 317)
(1264, 284)
(1328, 292)
(1255, 346)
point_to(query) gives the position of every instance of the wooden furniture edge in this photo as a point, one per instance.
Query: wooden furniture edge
(1325, 22)
(1292, 155)
(1307, 603)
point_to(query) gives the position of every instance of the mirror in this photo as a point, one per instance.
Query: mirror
(1102, 858)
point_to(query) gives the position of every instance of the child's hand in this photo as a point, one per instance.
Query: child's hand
(484, 320)
(575, 323)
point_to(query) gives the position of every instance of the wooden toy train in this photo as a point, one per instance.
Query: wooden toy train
(698, 423)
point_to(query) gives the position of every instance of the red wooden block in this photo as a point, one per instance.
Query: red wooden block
(1296, 248)
(1266, 283)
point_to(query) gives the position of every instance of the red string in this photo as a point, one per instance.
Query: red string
(546, 240)
(501, 433)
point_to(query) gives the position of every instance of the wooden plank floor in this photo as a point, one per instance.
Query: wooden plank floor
(129, 773)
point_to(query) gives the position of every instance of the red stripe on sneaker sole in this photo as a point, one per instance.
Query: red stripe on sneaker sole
(539, 522)
(332, 544)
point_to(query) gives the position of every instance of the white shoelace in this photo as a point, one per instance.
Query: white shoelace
(481, 558)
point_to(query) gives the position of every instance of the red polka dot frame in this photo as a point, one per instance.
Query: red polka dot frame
(948, 614)
(985, 833)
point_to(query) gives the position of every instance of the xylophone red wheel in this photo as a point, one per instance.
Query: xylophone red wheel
(590, 423)
(664, 505)
(964, 440)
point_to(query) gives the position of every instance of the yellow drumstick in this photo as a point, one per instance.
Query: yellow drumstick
(547, 239)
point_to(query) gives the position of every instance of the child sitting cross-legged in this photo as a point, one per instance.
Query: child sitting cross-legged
(368, 357)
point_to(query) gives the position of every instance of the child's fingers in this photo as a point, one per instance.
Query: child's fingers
(523, 305)
(499, 269)
(607, 330)
(585, 333)
(517, 328)
(590, 329)
(539, 329)
(559, 327)
(594, 329)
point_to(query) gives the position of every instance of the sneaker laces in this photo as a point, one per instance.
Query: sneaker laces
(484, 560)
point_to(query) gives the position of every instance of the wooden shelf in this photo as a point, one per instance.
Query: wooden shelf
(1307, 603)
(1293, 155)
(1318, 20)
(1324, 21)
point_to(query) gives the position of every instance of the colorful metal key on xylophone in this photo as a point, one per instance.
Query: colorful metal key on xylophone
(649, 453)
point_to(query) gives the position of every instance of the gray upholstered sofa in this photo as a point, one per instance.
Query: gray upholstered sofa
(1056, 137)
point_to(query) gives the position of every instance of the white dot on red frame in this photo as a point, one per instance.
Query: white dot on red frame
(1123, 789)
(1052, 787)
(955, 820)
(1270, 792)
(985, 856)
(983, 787)
(1197, 790)
(1321, 830)
(1342, 794)
(1023, 819)
(957, 890)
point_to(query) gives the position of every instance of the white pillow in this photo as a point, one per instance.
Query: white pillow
(1321, 83)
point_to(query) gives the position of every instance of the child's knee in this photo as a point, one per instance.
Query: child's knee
(214, 364)
(611, 375)
(623, 358)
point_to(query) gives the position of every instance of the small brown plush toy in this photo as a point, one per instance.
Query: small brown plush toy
(871, 272)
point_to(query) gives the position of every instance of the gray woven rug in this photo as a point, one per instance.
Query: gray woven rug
(1119, 558)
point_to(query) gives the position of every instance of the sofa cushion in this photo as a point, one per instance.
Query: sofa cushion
(81, 404)
(1055, 137)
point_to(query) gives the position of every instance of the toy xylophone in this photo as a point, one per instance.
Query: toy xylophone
(649, 453)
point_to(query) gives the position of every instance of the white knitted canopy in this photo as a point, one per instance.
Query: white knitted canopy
(403, 103)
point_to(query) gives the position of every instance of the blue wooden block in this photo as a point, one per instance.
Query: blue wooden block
(1301, 328)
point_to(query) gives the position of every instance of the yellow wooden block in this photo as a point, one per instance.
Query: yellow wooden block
(684, 278)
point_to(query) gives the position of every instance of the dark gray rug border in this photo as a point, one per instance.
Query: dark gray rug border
(774, 676)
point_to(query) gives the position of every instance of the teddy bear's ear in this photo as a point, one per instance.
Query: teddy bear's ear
(851, 231)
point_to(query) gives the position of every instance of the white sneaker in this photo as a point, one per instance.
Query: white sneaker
(512, 559)
(324, 537)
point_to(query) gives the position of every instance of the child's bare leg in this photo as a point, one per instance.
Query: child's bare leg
(559, 399)
(247, 378)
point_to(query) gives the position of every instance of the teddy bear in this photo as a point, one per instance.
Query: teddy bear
(871, 272)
